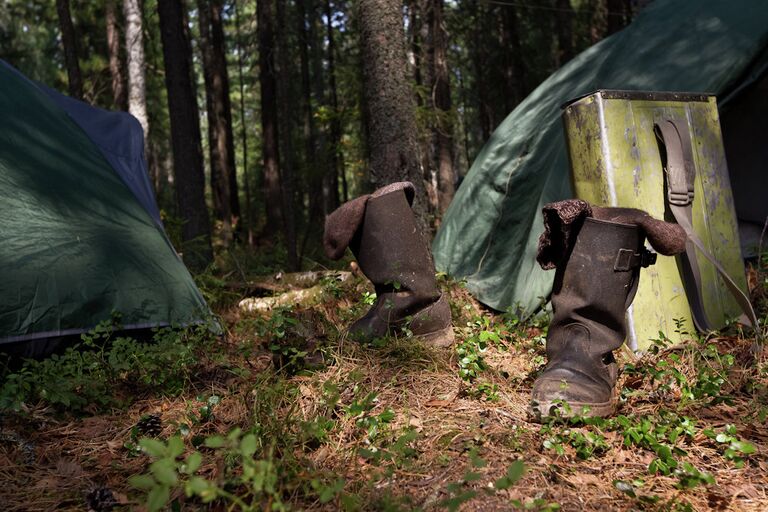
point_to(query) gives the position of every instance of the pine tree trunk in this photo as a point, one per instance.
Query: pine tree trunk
(337, 156)
(565, 16)
(134, 51)
(270, 151)
(514, 72)
(243, 132)
(309, 130)
(479, 56)
(115, 62)
(185, 135)
(441, 97)
(619, 15)
(287, 162)
(69, 42)
(389, 104)
(226, 206)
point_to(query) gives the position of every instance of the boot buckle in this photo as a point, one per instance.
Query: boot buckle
(627, 259)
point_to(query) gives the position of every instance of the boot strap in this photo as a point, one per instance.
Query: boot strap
(627, 259)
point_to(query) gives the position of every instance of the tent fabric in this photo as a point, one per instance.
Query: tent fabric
(489, 233)
(120, 138)
(76, 245)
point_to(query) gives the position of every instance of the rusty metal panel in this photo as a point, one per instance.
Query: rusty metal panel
(616, 160)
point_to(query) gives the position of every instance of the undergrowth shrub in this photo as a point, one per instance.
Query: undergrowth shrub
(90, 375)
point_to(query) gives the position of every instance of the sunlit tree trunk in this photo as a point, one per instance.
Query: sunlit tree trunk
(134, 52)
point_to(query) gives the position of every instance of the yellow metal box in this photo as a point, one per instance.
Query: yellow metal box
(618, 154)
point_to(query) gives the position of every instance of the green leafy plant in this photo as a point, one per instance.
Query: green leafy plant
(90, 375)
(736, 450)
(460, 492)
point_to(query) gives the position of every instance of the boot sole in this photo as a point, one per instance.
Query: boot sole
(442, 338)
(538, 411)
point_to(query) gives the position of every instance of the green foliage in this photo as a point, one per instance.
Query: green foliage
(585, 443)
(87, 376)
(735, 449)
(461, 492)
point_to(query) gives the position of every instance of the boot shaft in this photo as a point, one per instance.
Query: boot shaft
(391, 250)
(596, 284)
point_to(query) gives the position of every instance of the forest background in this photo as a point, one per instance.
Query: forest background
(260, 118)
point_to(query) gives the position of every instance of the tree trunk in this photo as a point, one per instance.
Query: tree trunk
(565, 16)
(337, 156)
(115, 62)
(287, 164)
(514, 72)
(69, 42)
(312, 166)
(226, 205)
(185, 135)
(619, 15)
(134, 51)
(270, 151)
(422, 53)
(243, 132)
(389, 105)
(480, 58)
(441, 102)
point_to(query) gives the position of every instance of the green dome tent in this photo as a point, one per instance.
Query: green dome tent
(489, 233)
(80, 232)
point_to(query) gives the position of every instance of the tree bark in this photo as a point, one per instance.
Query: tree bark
(243, 132)
(312, 166)
(565, 16)
(270, 151)
(389, 105)
(134, 51)
(480, 58)
(69, 42)
(619, 15)
(514, 73)
(287, 163)
(185, 135)
(337, 156)
(441, 102)
(226, 205)
(115, 62)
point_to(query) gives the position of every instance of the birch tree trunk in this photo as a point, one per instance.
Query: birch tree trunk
(134, 52)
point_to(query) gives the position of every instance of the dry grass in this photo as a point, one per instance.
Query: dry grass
(422, 387)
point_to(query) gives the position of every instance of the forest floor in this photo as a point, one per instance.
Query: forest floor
(284, 413)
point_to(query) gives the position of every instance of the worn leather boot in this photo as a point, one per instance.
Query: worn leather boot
(392, 254)
(594, 286)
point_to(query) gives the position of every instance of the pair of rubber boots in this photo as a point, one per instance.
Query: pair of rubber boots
(598, 253)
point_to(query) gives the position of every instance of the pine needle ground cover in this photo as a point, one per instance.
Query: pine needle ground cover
(284, 413)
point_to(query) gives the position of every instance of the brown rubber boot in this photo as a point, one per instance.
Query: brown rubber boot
(392, 254)
(594, 285)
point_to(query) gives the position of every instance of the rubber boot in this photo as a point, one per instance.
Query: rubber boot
(593, 288)
(393, 255)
